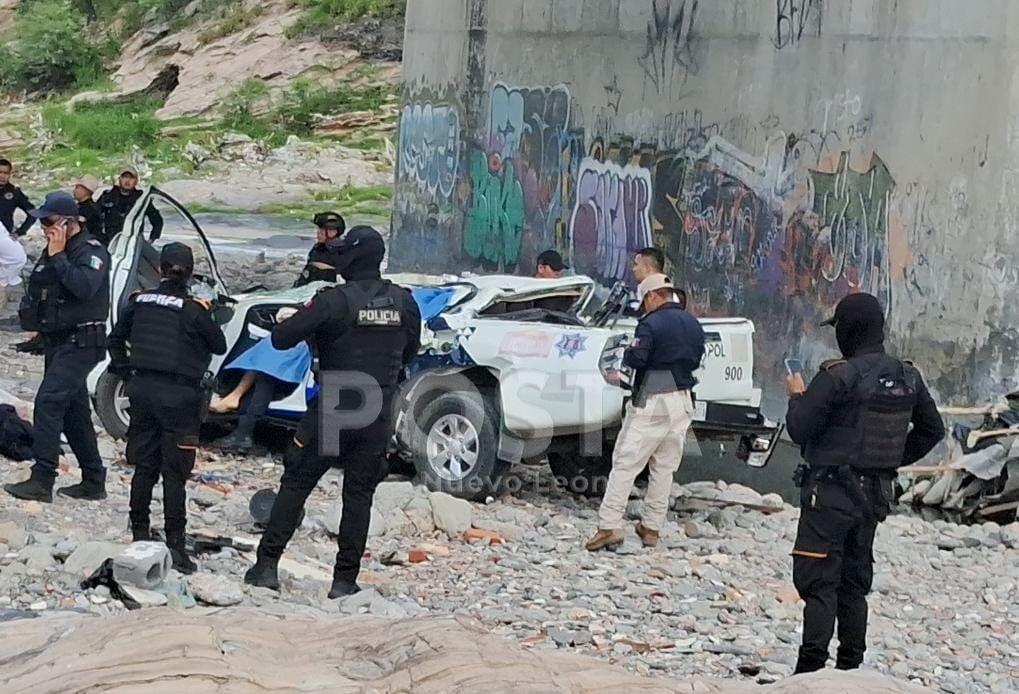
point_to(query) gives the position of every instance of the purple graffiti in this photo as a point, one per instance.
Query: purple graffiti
(612, 218)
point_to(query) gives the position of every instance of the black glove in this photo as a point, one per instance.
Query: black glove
(32, 346)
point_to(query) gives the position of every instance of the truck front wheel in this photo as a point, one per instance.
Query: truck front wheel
(112, 405)
(455, 445)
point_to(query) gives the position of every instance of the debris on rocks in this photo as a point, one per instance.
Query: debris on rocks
(975, 472)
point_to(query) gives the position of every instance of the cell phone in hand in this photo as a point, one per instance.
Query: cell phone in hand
(794, 366)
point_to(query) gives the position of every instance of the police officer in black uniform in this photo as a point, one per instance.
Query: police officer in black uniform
(67, 302)
(11, 198)
(853, 427)
(321, 266)
(162, 345)
(368, 326)
(117, 202)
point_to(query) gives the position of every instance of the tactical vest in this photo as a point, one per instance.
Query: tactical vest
(49, 307)
(374, 342)
(868, 426)
(160, 340)
(320, 266)
(114, 207)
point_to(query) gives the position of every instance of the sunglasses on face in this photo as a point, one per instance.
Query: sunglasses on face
(48, 222)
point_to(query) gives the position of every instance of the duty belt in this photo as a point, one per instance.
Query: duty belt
(167, 376)
(846, 476)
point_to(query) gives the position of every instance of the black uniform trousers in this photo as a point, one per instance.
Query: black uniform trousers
(62, 406)
(362, 456)
(833, 568)
(161, 441)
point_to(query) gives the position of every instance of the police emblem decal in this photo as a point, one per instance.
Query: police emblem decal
(571, 344)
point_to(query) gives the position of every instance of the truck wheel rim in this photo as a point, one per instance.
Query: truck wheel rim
(453, 446)
(121, 404)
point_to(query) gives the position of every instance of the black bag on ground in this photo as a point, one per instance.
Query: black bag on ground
(15, 435)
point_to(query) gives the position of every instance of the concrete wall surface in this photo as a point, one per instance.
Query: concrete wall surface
(784, 153)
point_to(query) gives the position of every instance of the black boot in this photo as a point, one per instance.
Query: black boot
(342, 588)
(264, 574)
(235, 443)
(141, 533)
(179, 554)
(87, 490)
(35, 488)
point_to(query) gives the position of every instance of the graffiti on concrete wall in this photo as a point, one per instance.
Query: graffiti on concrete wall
(852, 215)
(612, 218)
(429, 151)
(793, 18)
(495, 219)
(534, 155)
(668, 57)
(426, 213)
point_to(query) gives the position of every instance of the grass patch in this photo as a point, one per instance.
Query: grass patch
(323, 15)
(104, 127)
(236, 18)
(367, 201)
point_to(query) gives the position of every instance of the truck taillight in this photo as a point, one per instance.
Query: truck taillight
(611, 361)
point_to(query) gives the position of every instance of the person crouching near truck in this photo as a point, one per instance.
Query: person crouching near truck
(667, 348)
(861, 418)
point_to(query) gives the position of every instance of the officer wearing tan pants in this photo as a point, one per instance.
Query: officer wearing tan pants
(667, 348)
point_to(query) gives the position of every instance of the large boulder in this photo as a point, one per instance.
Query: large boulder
(157, 650)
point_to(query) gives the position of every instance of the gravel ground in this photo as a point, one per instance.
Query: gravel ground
(715, 599)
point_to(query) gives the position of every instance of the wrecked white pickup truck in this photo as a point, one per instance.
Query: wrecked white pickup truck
(511, 369)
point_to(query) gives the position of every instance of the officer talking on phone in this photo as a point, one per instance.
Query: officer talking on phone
(67, 302)
(861, 418)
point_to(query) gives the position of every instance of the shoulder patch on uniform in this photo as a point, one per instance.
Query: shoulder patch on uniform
(96, 263)
(832, 363)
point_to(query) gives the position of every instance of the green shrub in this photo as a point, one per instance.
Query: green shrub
(105, 127)
(252, 111)
(51, 50)
(303, 101)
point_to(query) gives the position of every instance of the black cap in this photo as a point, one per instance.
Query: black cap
(329, 220)
(178, 255)
(59, 203)
(552, 259)
(862, 307)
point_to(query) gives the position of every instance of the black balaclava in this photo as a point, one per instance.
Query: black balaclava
(859, 325)
(359, 254)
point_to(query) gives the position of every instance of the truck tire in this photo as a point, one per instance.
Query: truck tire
(581, 475)
(455, 445)
(112, 406)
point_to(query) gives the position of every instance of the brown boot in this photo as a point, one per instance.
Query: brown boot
(604, 539)
(648, 536)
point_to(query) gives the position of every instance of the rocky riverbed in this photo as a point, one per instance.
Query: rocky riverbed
(715, 599)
